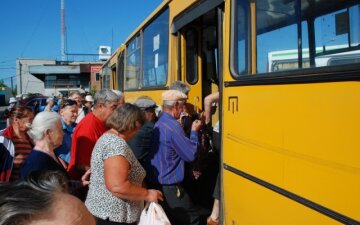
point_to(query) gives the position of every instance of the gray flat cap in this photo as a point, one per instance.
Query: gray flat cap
(145, 103)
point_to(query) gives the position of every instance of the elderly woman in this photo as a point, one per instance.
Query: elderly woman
(49, 105)
(68, 113)
(15, 144)
(115, 192)
(46, 132)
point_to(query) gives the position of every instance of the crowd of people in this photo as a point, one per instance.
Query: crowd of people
(112, 157)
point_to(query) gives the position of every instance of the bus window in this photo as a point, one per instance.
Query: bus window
(132, 64)
(155, 51)
(241, 37)
(292, 34)
(191, 37)
(277, 25)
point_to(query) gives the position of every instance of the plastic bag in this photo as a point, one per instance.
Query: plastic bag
(153, 214)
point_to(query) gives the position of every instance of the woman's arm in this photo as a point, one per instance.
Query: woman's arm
(116, 172)
(214, 97)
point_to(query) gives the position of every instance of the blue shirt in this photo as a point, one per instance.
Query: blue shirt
(64, 150)
(171, 149)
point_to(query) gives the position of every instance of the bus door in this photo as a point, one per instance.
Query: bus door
(120, 72)
(199, 56)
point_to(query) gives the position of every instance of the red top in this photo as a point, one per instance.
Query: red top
(23, 147)
(87, 132)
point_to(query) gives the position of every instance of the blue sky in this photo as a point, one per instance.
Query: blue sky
(31, 28)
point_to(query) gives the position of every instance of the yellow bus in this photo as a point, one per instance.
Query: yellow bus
(290, 138)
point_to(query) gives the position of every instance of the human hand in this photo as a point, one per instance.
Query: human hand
(154, 196)
(85, 179)
(196, 125)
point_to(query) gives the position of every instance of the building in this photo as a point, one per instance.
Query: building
(51, 77)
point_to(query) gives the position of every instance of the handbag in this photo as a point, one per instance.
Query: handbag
(153, 214)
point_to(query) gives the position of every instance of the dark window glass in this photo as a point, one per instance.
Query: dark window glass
(191, 38)
(155, 51)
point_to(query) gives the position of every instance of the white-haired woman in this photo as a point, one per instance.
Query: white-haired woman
(49, 105)
(46, 132)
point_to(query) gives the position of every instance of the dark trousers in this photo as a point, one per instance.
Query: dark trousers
(107, 222)
(180, 208)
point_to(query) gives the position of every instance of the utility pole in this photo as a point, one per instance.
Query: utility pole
(12, 84)
(63, 31)
(20, 74)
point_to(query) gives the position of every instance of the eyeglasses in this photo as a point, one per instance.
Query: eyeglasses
(68, 102)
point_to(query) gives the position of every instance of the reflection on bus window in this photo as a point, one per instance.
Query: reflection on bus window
(132, 64)
(292, 34)
(155, 55)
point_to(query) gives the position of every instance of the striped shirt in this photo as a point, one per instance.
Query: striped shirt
(22, 151)
(171, 150)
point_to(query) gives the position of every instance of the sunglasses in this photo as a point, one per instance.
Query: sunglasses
(68, 102)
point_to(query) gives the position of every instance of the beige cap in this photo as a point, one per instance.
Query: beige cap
(173, 95)
(89, 98)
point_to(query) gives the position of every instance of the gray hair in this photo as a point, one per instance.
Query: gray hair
(49, 100)
(43, 121)
(76, 92)
(180, 86)
(105, 96)
(118, 93)
(23, 201)
(168, 103)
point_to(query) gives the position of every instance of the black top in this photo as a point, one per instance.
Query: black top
(140, 144)
(40, 161)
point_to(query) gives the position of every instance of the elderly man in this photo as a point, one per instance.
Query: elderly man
(89, 130)
(171, 149)
(140, 144)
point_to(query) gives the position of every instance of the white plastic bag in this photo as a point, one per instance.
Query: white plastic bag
(153, 214)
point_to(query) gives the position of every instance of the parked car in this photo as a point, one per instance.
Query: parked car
(41, 100)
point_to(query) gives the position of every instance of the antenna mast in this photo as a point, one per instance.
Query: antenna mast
(63, 30)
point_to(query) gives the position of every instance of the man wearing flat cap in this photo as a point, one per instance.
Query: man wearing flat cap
(140, 144)
(171, 149)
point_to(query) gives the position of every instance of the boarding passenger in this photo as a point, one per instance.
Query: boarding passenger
(121, 97)
(76, 96)
(89, 130)
(15, 144)
(89, 102)
(49, 105)
(140, 144)
(46, 132)
(171, 149)
(115, 192)
(68, 112)
(210, 102)
(12, 104)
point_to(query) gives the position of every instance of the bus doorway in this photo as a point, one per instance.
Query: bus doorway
(199, 58)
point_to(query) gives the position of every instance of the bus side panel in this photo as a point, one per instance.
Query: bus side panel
(303, 138)
(250, 204)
